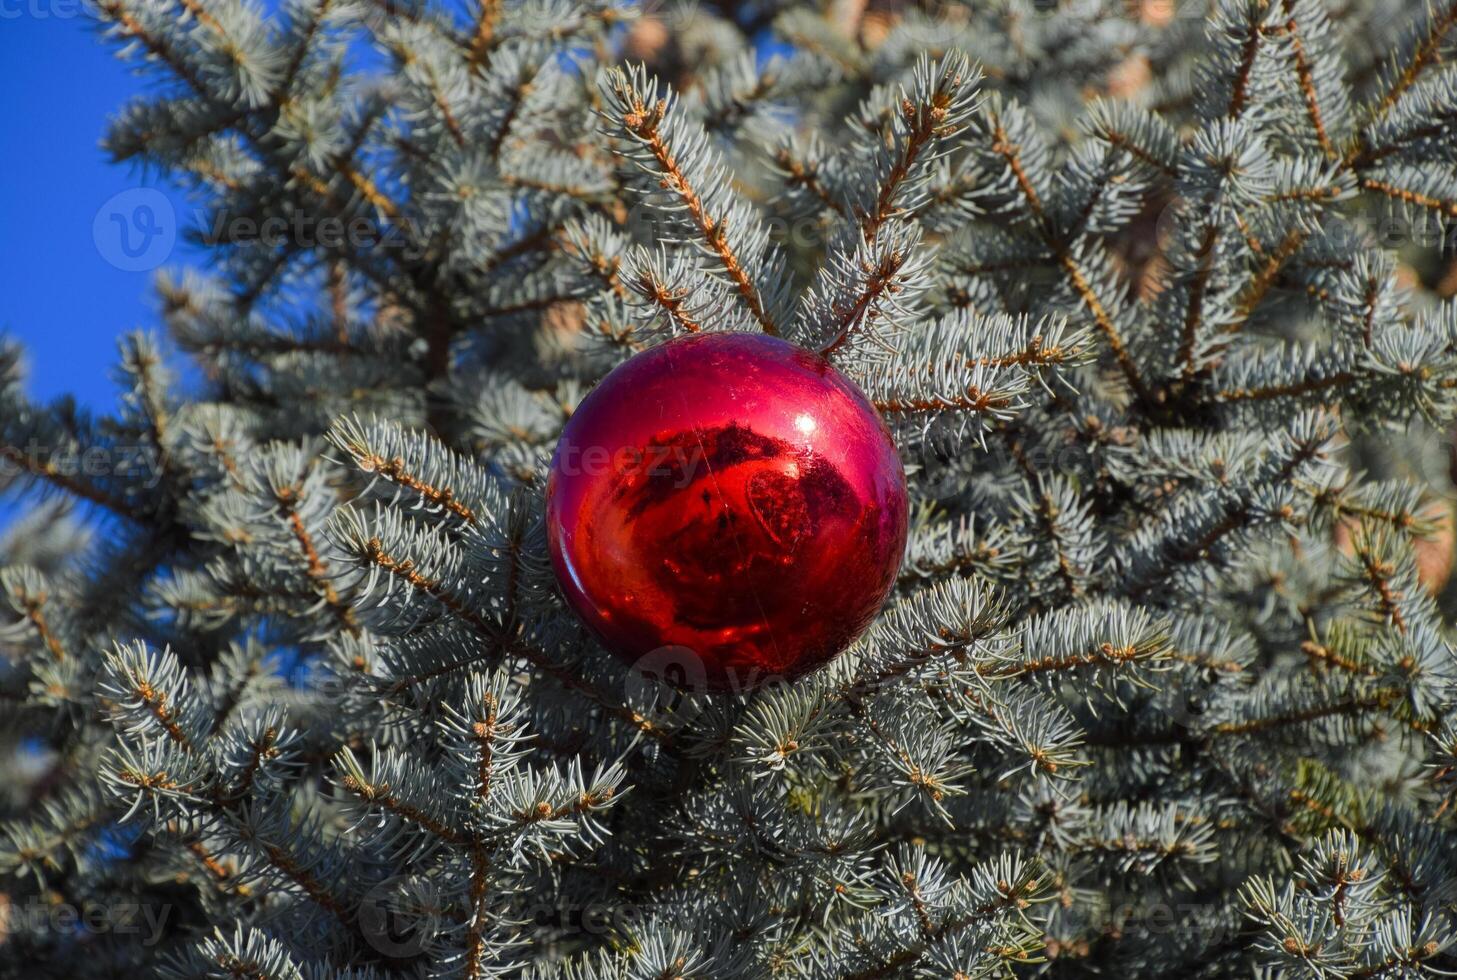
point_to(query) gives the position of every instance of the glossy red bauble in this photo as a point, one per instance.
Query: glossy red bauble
(729, 499)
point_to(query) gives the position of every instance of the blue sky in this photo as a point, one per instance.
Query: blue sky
(61, 297)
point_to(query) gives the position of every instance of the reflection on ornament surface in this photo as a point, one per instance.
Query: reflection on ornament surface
(731, 494)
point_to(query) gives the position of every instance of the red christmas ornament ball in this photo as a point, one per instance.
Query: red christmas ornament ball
(730, 503)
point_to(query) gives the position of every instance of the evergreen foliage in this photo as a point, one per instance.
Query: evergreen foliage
(1154, 305)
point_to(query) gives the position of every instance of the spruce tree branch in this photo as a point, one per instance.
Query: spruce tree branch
(1204, 256)
(253, 291)
(218, 872)
(1245, 232)
(673, 302)
(1011, 154)
(513, 110)
(1408, 960)
(34, 605)
(156, 47)
(973, 400)
(581, 193)
(1378, 575)
(1003, 265)
(1448, 209)
(396, 471)
(202, 16)
(226, 806)
(1368, 320)
(1319, 653)
(607, 269)
(922, 124)
(957, 565)
(1050, 762)
(1315, 193)
(1306, 78)
(1266, 278)
(1046, 511)
(1129, 844)
(155, 702)
(232, 696)
(300, 52)
(1292, 389)
(948, 643)
(1234, 519)
(484, 734)
(317, 571)
(1402, 519)
(616, 334)
(370, 192)
(1036, 353)
(338, 290)
(475, 931)
(528, 305)
(1066, 570)
(482, 38)
(43, 852)
(379, 794)
(537, 244)
(1106, 655)
(881, 282)
(799, 174)
(1381, 700)
(1003, 146)
(152, 402)
(1427, 53)
(644, 122)
(1362, 155)
(315, 889)
(209, 172)
(243, 598)
(1014, 898)
(264, 747)
(452, 125)
(1208, 661)
(502, 643)
(1122, 141)
(1239, 90)
(233, 116)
